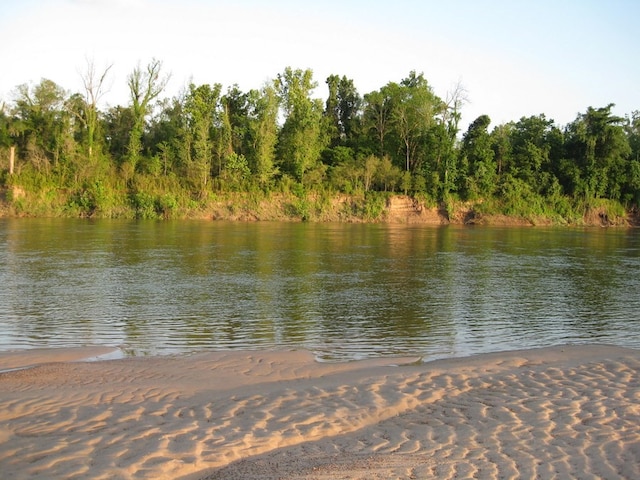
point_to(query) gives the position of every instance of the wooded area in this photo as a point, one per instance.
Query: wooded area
(164, 157)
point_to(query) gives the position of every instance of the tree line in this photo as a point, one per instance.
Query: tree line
(154, 154)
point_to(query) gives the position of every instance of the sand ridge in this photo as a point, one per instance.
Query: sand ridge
(571, 412)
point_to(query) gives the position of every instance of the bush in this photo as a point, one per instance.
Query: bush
(166, 205)
(144, 205)
(370, 207)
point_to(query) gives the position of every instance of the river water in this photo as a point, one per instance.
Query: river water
(343, 291)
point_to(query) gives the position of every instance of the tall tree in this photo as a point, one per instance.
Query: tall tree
(445, 135)
(342, 108)
(200, 107)
(117, 125)
(478, 158)
(144, 86)
(168, 136)
(631, 193)
(94, 88)
(532, 145)
(5, 137)
(377, 116)
(44, 133)
(502, 148)
(413, 114)
(402, 117)
(236, 105)
(633, 134)
(263, 133)
(598, 143)
(302, 138)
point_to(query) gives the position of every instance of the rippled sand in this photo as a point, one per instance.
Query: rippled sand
(571, 412)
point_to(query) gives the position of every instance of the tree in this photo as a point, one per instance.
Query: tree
(633, 134)
(445, 139)
(263, 133)
(236, 171)
(144, 86)
(531, 147)
(631, 189)
(387, 175)
(224, 144)
(236, 107)
(43, 127)
(7, 132)
(413, 115)
(117, 125)
(598, 144)
(5, 137)
(93, 84)
(302, 138)
(342, 120)
(378, 116)
(402, 118)
(168, 137)
(200, 108)
(478, 158)
(342, 108)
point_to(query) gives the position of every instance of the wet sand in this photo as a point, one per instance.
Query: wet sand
(562, 412)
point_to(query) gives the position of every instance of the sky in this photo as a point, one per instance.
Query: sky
(513, 58)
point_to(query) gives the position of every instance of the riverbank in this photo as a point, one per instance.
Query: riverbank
(570, 412)
(375, 207)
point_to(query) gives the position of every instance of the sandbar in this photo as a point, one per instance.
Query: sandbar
(559, 412)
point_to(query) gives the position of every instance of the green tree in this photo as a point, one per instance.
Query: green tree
(7, 132)
(444, 139)
(478, 159)
(633, 134)
(117, 125)
(342, 108)
(408, 123)
(43, 127)
(342, 118)
(598, 144)
(236, 107)
(263, 133)
(5, 121)
(236, 172)
(631, 189)
(387, 175)
(534, 147)
(168, 136)
(224, 138)
(200, 108)
(377, 116)
(94, 88)
(413, 114)
(145, 85)
(302, 137)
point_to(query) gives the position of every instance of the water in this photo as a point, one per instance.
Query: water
(341, 291)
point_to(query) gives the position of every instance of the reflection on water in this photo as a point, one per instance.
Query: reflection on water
(342, 291)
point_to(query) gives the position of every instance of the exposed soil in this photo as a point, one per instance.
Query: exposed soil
(404, 209)
(399, 209)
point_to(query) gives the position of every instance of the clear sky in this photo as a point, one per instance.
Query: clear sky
(514, 57)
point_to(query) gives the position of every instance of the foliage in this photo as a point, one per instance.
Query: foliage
(144, 86)
(160, 158)
(369, 207)
(302, 137)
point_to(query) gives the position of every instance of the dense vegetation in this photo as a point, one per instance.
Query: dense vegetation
(173, 157)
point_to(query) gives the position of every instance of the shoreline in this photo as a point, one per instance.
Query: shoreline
(392, 208)
(559, 411)
(25, 358)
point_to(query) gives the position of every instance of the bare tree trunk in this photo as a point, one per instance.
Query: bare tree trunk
(12, 158)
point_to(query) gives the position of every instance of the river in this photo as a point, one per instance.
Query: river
(343, 291)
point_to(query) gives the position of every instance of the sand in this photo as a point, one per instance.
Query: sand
(563, 412)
